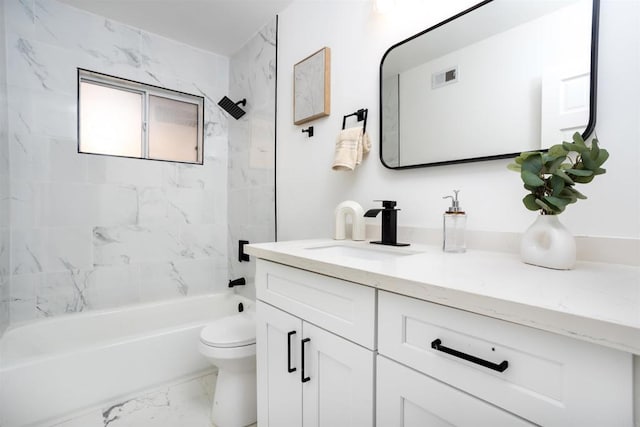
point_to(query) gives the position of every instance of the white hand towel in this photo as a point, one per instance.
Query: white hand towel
(364, 146)
(351, 144)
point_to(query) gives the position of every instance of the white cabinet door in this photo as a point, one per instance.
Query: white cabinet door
(279, 387)
(338, 375)
(410, 399)
(339, 390)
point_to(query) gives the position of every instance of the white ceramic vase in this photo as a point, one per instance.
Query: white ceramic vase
(548, 243)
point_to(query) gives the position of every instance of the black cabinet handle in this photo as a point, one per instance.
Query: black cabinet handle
(289, 368)
(437, 345)
(304, 379)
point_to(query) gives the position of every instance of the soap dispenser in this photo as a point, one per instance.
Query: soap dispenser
(454, 223)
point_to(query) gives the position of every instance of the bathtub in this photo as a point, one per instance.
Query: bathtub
(53, 367)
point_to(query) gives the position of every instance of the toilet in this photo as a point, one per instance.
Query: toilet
(230, 344)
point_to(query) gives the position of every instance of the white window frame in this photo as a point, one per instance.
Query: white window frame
(145, 90)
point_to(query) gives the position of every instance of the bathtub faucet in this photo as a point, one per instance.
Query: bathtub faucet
(237, 282)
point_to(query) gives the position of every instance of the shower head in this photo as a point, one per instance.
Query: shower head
(232, 107)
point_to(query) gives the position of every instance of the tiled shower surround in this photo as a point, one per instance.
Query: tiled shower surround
(4, 186)
(87, 231)
(252, 150)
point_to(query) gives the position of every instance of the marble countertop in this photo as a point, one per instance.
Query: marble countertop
(595, 302)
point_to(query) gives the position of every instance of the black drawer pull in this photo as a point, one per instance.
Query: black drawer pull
(304, 379)
(437, 345)
(289, 368)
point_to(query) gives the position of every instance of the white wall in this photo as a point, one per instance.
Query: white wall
(308, 190)
(96, 231)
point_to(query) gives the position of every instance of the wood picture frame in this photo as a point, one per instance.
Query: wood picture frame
(312, 87)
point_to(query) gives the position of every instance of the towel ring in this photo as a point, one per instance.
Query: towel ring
(361, 115)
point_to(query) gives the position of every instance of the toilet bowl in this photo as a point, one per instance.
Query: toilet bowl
(230, 344)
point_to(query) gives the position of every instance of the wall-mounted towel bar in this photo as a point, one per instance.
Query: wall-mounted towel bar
(361, 115)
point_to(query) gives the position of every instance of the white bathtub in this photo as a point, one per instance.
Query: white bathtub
(53, 367)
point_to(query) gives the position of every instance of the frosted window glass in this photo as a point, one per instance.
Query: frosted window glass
(173, 130)
(126, 118)
(110, 120)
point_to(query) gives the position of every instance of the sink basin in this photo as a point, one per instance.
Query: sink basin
(373, 253)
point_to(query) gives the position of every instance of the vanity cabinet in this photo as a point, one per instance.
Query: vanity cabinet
(458, 367)
(315, 358)
(377, 351)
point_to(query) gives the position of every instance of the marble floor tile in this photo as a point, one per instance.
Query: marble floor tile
(186, 403)
(89, 419)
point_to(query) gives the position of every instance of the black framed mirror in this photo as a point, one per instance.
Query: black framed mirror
(499, 78)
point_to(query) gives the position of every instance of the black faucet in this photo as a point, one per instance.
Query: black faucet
(389, 223)
(237, 282)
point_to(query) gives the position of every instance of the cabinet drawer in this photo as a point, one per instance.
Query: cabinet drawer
(410, 399)
(344, 308)
(548, 379)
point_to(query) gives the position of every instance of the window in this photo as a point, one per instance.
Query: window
(124, 118)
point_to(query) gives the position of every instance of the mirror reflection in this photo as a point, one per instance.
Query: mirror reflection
(503, 77)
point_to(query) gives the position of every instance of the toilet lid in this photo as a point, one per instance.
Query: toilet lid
(231, 331)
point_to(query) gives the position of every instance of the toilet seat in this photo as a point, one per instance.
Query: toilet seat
(237, 330)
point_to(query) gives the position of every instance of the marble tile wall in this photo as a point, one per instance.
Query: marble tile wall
(4, 184)
(92, 232)
(251, 210)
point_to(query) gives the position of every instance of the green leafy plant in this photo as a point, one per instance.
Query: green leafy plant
(550, 176)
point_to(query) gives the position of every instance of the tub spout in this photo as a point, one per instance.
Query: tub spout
(343, 210)
(237, 282)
